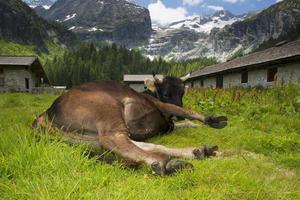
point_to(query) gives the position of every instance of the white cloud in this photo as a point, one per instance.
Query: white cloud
(192, 2)
(233, 1)
(164, 15)
(277, 1)
(215, 8)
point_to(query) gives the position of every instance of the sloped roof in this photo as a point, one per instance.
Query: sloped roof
(30, 61)
(286, 51)
(11, 60)
(140, 77)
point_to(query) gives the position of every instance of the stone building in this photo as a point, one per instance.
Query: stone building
(278, 65)
(136, 81)
(21, 74)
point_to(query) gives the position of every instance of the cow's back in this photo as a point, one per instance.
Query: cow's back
(85, 106)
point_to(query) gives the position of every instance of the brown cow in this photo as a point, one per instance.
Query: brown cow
(112, 116)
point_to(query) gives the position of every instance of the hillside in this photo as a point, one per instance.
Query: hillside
(183, 40)
(118, 21)
(279, 22)
(20, 24)
(223, 35)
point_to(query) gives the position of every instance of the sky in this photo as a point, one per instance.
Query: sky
(167, 11)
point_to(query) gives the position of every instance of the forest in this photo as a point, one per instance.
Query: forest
(91, 61)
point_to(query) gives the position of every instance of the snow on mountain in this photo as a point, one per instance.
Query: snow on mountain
(204, 24)
(45, 3)
(188, 38)
(119, 21)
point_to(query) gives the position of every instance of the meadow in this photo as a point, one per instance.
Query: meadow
(259, 154)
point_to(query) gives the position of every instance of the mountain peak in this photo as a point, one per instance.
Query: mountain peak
(224, 14)
(119, 21)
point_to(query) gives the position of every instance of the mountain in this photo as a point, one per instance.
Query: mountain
(19, 23)
(224, 35)
(277, 23)
(118, 21)
(184, 39)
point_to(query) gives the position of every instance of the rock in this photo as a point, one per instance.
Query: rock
(224, 35)
(118, 21)
(21, 24)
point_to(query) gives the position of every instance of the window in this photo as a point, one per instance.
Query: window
(1, 77)
(219, 81)
(271, 74)
(244, 77)
(202, 83)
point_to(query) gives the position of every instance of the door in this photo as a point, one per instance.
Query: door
(27, 84)
(219, 81)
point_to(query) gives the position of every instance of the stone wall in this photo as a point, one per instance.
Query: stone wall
(14, 79)
(289, 73)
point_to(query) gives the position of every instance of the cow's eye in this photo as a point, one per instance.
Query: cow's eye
(166, 96)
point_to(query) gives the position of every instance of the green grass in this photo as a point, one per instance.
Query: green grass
(260, 153)
(15, 49)
(12, 48)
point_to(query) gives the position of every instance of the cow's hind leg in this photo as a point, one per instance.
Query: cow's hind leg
(190, 153)
(119, 143)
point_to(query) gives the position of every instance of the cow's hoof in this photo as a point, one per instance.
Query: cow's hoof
(216, 122)
(205, 152)
(171, 167)
(176, 165)
(159, 168)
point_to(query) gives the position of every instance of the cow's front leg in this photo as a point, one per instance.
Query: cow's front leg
(119, 143)
(170, 109)
(185, 124)
(189, 153)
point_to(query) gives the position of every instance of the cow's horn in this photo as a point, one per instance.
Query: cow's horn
(155, 78)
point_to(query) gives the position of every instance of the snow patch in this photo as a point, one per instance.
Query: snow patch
(197, 25)
(93, 29)
(72, 28)
(46, 7)
(68, 17)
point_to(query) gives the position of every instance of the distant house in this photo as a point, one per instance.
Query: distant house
(21, 74)
(278, 65)
(136, 81)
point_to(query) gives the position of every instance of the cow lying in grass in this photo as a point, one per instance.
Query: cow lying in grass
(109, 115)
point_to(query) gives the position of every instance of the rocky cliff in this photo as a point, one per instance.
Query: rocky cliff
(188, 38)
(224, 35)
(19, 23)
(279, 22)
(118, 21)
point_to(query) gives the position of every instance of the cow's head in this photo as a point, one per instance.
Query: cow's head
(169, 90)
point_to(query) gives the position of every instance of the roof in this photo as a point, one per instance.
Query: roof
(287, 51)
(140, 77)
(11, 60)
(30, 61)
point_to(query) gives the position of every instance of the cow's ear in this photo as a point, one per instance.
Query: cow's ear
(150, 84)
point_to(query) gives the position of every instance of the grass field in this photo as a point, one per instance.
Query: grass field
(259, 153)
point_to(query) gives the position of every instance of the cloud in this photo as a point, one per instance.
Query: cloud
(192, 2)
(277, 1)
(164, 15)
(233, 1)
(215, 8)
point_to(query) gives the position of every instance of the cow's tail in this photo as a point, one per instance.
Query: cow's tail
(40, 122)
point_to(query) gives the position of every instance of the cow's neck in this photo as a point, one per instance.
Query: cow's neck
(149, 92)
